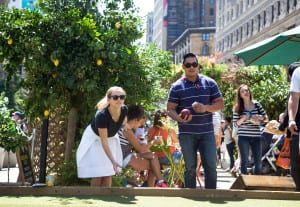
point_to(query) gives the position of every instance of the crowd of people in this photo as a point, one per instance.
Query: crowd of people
(115, 139)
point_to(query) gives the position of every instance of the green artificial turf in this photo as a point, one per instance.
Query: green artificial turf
(140, 201)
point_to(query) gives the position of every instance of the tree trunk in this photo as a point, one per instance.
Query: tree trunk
(72, 123)
(8, 163)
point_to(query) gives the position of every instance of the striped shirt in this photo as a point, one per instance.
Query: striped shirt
(184, 93)
(125, 145)
(247, 128)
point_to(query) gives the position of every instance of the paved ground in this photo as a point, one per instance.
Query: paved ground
(13, 175)
(224, 180)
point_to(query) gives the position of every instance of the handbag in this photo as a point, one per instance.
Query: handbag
(283, 159)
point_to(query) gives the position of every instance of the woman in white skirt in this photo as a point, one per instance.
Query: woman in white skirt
(99, 155)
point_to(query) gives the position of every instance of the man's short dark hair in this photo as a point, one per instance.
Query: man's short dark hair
(188, 55)
(292, 67)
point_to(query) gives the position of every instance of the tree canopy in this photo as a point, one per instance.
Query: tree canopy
(73, 51)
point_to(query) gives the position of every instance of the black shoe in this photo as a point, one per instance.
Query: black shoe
(145, 184)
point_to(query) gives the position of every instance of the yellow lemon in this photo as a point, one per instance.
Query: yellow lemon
(99, 62)
(56, 62)
(117, 25)
(46, 113)
(54, 75)
(9, 41)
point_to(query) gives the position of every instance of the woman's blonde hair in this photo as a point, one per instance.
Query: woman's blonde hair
(103, 103)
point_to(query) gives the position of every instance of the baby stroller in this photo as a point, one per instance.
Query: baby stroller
(272, 144)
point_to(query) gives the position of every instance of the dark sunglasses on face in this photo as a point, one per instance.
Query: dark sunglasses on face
(188, 65)
(116, 97)
(245, 91)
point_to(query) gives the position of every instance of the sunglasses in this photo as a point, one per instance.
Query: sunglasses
(245, 91)
(188, 65)
(115, 97)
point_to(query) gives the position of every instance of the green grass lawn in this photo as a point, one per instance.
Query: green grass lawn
(141, 201)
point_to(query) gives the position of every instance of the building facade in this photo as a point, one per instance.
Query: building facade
(159, 30)
(200, 41)
(149, 32)
(240, 23)
(173, 19)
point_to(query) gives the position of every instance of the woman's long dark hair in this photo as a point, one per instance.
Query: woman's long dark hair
(159, 114)
(239, 106)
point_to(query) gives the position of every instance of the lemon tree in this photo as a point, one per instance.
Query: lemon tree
(72, 52)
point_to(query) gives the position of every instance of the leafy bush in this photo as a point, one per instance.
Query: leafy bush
(67, 175)
(268, 85)
(11, 138)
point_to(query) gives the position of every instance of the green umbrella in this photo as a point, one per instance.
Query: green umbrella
(281, 49)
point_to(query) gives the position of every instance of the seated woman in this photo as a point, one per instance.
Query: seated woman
(159, 130)
(143, 159)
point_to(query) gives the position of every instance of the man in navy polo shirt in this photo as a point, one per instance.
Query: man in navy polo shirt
(201, 95)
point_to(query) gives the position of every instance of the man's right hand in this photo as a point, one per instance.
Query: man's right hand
(293, 127)
(186, 118)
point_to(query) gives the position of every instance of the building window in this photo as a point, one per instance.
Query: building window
(211, 12)
(272, 13)
(205, 36)
(241, 33)
(211, 2)
(203, 12)
(258, 23)
(211, 23)
(205, 50)
(241, 7)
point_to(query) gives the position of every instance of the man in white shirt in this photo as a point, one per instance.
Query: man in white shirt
(294, 126)
(217, 127)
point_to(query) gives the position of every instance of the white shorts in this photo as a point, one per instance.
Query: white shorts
(126, 160)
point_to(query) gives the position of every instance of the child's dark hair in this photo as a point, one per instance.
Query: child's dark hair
(228, 119)
(135, 112)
